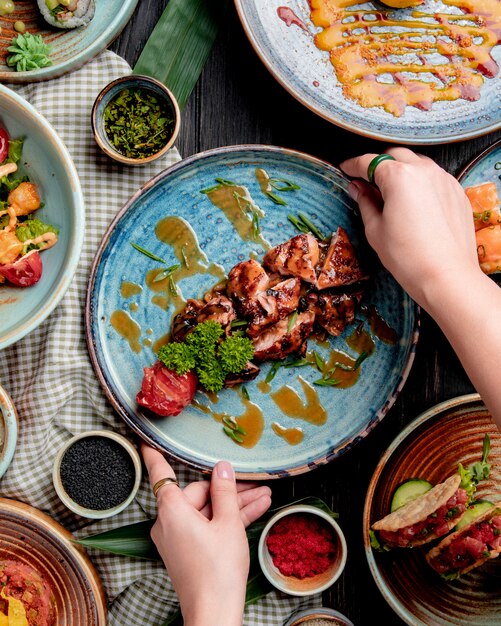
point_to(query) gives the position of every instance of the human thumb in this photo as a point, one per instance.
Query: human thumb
(223, 491)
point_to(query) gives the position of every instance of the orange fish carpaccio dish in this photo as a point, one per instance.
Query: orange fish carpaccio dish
(485, 204)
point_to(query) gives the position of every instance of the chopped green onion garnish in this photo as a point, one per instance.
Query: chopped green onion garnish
(273, 371)
(276, 199)
(316, 231)
(224, 181)
(319, 362)
(282, 184)
(292, 321)
(148, 254)
(245, 393)
(165, 273)
(326, 382)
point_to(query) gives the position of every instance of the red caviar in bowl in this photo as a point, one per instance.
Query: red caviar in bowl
(301, 545)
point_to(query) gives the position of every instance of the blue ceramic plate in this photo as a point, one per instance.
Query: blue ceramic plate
(195, 437)
(485, 168)
(48, 164)
(70, 48)
(431, 447)
(306, 72)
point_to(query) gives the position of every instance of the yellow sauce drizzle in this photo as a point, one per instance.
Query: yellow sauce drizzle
(133, 306)
(346, 378)
(292, 436)
(128, 289)
(291, 404)
(378, 66)
(263, 386)
(251, 420)
(127, 328)
(361, 341)
(238, 207)
(379, 325)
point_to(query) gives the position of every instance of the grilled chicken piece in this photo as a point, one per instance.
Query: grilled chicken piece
(185, 321)
(245, 281)
(273, 305)
(341, 266)
(296, 257)
(276, 342)
(334, 311)
(218, 309)
(248, 373)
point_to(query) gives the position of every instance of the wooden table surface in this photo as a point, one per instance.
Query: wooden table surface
(236, 101)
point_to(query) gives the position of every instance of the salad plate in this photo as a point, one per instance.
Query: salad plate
(126, 318)
(283, 36)
(70, 48)
(48, 164)
(430, 448)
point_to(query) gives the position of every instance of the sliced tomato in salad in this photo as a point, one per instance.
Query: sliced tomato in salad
(4, 144)
(25, 272)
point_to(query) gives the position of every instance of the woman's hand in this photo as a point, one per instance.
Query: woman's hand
(200, 535)
(418, 220)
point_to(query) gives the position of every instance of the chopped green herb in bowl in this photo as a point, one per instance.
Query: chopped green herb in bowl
(135, 119)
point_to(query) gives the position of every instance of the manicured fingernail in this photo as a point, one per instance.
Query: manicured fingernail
(353, 190)
(225, 470)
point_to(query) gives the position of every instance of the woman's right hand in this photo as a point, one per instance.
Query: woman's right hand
(418, 219)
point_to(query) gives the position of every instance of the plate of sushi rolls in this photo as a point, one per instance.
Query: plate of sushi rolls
(68, 33)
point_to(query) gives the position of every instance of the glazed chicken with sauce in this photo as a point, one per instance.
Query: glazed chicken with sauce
(304, 285)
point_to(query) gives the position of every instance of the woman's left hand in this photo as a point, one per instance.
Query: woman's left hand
(200, 535)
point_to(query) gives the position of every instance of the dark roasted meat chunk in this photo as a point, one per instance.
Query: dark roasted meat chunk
(245, 281)
(218, 309)
(341, 266)
(274, 304)
(185, 321)
(276, 342)
(296, 257)
(249, 373)
(334, 311)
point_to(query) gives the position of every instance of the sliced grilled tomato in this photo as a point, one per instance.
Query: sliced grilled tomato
(25, 272)
(4, 144)
(164, 392)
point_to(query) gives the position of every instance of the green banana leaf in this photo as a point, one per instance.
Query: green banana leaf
(180, 44)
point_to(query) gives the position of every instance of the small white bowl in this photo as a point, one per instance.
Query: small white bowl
(334, 618)
(305, 586)
(95, 513)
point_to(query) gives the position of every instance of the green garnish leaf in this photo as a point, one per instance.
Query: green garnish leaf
(256, 228)
(245, 393)
(298, 223)
(473, 474)
(15, 150)
(234, 353)
(238, 323)
(31, 229)
(177, 357)
(292, 321)
(319, 362)
(226, 182)
(311, 226)
(282, 184)
(150, 255)
(327, 382)
(297, 363)
(273, 371)
(276, 199)
(361, 358)
(185, 258)
(375, 543)
(173, 287)
(165, 273)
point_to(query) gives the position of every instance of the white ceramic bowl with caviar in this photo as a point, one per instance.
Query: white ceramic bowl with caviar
(302, 550)
(97, 474)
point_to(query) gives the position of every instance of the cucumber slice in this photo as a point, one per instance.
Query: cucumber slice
(477, 508)
(408, 491)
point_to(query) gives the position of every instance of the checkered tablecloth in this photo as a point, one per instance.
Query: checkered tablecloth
(51, 380)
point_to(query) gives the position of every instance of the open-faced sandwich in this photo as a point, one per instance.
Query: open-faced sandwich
(423, 519)
(470, 546)
(421, 513)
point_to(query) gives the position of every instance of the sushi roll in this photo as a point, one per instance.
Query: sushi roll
(67, 13)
